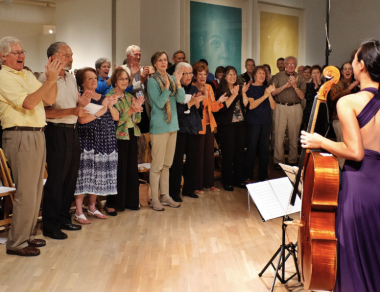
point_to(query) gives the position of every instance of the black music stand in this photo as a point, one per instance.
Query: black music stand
(291, 249)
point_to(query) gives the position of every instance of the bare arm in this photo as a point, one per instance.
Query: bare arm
(48, 91)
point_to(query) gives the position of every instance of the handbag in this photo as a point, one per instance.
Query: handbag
(144, 193)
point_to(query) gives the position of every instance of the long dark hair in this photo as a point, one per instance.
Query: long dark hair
(369, 53)
(223, 86)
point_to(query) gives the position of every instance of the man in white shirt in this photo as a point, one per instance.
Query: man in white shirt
(62, 146)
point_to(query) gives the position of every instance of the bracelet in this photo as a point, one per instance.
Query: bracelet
(295, 88)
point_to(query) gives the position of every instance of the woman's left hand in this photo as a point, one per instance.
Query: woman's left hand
(245, 87)
(178, 74)
(311, 141)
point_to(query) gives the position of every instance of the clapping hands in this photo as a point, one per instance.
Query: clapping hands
(223, 98)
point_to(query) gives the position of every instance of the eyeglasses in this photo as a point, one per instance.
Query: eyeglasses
(231, 75)
(187, 74)
(290, 64)
(123, 79)
(17, 54)
(347, 69)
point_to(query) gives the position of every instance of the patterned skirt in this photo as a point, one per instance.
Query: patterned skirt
(98, 161)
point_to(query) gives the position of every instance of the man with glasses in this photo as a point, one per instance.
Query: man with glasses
(290, 91)
(62, 146)
(22, 117)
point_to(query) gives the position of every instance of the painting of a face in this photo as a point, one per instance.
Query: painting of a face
(215, 35)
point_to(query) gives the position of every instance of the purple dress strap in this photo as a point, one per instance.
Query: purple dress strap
(371, 108)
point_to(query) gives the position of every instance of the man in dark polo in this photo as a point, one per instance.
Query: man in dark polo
(290, 90)
(62, 146)
(22, 117)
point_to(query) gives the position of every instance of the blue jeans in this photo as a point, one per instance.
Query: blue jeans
(258, 137)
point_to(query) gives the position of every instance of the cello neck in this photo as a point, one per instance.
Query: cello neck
(334, 75)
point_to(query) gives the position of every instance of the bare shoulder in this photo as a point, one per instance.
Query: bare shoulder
(356, 101)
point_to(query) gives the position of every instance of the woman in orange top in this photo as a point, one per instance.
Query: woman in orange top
(204, 176)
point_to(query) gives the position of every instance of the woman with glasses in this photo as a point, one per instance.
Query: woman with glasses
(204, 176)
(231, 122)
(103, 67)
(97, 174)
(127, 131)
(190, 123)
(164, 92)
(346, 85)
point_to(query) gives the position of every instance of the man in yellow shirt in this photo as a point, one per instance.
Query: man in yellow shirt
(22, 118)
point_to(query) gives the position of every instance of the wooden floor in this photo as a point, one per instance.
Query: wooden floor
(209, 244)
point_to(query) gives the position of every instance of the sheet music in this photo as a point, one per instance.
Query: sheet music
(93, 108)
(272, 198)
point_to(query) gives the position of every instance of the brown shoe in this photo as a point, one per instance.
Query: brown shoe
(28, 251)
(37, 243)
(166, 200)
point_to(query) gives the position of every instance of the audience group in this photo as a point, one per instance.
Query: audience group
(87, 127)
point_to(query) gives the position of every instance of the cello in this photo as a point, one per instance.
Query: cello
(317, 256)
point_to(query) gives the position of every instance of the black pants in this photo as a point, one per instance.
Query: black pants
(258, 137)
(204, 174)
(62, 157)
(127, 175)
(186, 144)
(232, 142)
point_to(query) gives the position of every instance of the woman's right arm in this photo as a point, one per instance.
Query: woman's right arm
(155, 95)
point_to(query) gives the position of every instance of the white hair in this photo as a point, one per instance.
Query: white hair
(130, 48)
(182, 64)
(5, 45)
(291, 57)
(100, 61)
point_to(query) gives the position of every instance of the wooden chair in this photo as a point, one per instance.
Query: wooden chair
(5, 193)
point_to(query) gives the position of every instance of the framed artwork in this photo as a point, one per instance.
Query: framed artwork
(281, 34)
(216, 35)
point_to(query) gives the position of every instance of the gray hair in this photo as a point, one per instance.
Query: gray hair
(130, 48)
(5, 45)
(291, 57)
(182, 64)
(100, 61)
(54, 48)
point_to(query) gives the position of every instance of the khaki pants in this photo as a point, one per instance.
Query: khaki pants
(286, 117)
(163, 148)
(339, 138)
(26, 154)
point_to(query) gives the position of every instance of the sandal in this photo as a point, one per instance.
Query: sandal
(83, 218)
(96, 214)
(198, 192)
(212, 189)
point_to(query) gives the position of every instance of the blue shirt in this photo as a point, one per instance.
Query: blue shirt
(103, 88)
(262, 113)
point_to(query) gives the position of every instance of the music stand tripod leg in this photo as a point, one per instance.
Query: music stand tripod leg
(270, 261)
(276, 272)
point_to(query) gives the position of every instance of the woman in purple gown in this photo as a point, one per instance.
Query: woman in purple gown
(358, 215)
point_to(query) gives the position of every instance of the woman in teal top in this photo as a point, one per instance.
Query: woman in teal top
(164, 91)
(126, 133)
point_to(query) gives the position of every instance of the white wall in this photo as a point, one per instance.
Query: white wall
(160, 27)
(127, 28)
(86, 26)
(352, 22)
(33, 40)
